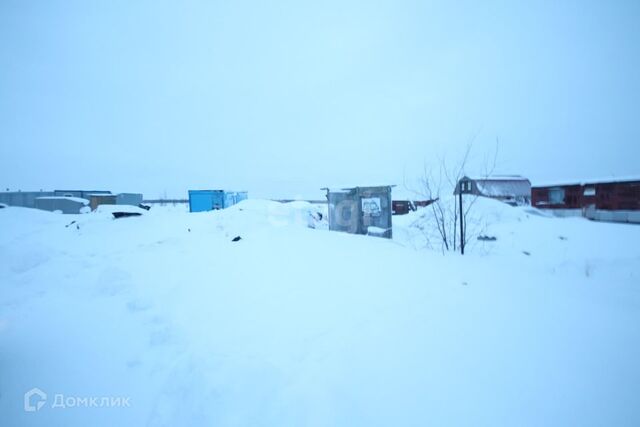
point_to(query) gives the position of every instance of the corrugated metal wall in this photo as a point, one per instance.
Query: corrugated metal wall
(66, 206)
(207, 200)
(361, 210)
(25, 199)
(96, 200)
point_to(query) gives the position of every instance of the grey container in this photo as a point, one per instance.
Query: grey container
(66, 205)
(361, 210)
(25, 199)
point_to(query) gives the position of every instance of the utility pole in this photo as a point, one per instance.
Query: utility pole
(464, 187)
(461, 226)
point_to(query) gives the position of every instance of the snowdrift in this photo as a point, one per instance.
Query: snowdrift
(293, 325)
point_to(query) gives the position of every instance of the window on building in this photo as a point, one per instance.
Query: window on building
(465, 186)
(590, 191)
(556, 196)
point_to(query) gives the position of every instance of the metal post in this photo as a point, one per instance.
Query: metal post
(461, 223)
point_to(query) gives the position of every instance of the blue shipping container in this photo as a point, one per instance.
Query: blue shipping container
(241, 195)
(208, 200)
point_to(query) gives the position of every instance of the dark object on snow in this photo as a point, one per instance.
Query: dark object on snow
(71, 223)
(562, 238)
(117, 215)
(235, 239)
(526, 253)
(487, 238)
(2, 206)
(145, 207)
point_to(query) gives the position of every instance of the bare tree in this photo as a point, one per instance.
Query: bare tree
(440, 222)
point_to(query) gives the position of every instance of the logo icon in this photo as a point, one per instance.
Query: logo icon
(34, 400)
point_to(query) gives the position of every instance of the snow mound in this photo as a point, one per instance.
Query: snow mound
(297, 213)
(423, 228)
(292, 326)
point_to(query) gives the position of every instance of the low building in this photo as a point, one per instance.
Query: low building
(361, 210)
(96, 200)
(511, 189)
(65, 205)
(24, 199)
(612, 199)
(405, 201)
(83, 194)
(27, 199)
(209, 200)
(133, 199)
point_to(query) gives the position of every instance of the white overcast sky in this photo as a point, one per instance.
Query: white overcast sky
(284, 97)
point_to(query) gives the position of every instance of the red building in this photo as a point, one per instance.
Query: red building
(405, 201)
(595, 199)
(403, 207)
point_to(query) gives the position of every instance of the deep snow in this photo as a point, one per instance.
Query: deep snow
(297, 326)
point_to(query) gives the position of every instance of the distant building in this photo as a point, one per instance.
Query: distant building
(27, 199)
(613, 199)
(65, 205)
(133, 199)
(209, 200)
(83, 194)
(361, 210)
(511, 189)
(24, 199)
(404, 201)
(98, 199)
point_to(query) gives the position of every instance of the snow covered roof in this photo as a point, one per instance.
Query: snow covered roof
(101, 195)
(498, 178)
(605, 180)
(504, 188)
(501, 185)
(346, 188)
(217, 191)
(73, 199)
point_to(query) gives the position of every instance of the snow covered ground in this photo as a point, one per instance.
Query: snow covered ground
(176, 324)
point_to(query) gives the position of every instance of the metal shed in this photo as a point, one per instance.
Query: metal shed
(361, 210)
(209, 200)
(66, 205)
(96, 200)
(84, 194)
(25, 199)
